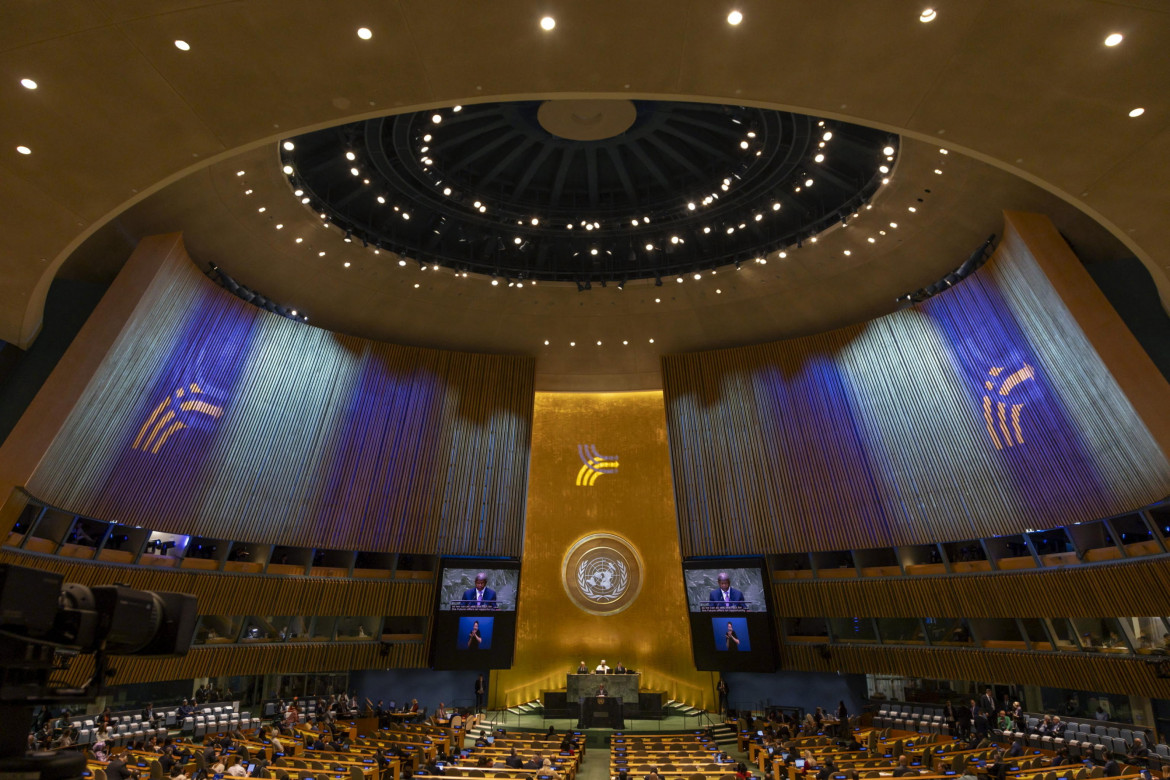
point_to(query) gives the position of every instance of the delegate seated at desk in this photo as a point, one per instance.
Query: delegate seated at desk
(582, 668)
(602, 668)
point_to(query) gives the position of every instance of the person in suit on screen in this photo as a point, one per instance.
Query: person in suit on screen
(731, 637)
(474, 639)
(725, 595)
(481, 595)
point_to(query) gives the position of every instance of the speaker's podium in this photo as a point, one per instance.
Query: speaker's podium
(601, 712)
(623, 699)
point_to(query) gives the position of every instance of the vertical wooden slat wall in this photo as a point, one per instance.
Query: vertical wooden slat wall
(324, 440)
(874, 435)
(1100, 590)
(1090, 672)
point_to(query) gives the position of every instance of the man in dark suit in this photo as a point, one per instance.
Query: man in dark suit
(725, 595)
(481, 595)
(480, 690)
(987, 703)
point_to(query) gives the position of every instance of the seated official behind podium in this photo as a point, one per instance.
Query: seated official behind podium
(725, 595)
(602, 668)
(620, 669)
(481, 595)
(582, 668)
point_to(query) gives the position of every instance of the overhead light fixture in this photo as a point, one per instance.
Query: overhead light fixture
(927, 15)
(289, 146)
(734, 18)
(1113, 39)
(548, 23)
(182, 46)
(24, 150)
(436, 118)
(28, 84)
(364, 33)
(1137, 112)
(887, 151)
(288, 169)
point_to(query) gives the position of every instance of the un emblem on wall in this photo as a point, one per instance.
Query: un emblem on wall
(602, 574)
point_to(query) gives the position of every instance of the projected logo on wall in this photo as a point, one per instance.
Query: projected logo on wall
(173, 415)
(998, 412)
(595, 464)
(602, 573)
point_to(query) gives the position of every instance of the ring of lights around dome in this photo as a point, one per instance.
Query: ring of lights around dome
(488, 189)
(587, 120)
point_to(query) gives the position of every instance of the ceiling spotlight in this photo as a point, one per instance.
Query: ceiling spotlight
(182, 46)
(1113, 39)
(698, 277)
(691, 206)
(776, 206)
(1137, 112)
(447, 191)
(436, 118)
(28, 84)
(495, 282)
(649, 247)
(593, 251)
(289, 146)
(517, 240)
(828, 136)
(735, 17)
(679, 280)
(535, 221)
(288, 169)
(24, 150)
(402, 262)
(927, 15)
(888, 151)
(808, 182)
(819, 158)
(547, 23)
(744, 144)
(364, 33)
(884, 168)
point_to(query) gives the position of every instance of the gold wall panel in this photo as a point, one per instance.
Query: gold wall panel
(636, 502)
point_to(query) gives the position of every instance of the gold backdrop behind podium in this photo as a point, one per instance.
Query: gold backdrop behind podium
(636, 502)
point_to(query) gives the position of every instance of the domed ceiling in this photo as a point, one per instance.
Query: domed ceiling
(587, 191)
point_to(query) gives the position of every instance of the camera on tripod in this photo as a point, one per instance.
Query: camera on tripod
(45, 623)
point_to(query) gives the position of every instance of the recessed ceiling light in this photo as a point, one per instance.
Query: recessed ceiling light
(571, 343)
(436, 118)
(547, 23)
(364, 33)
(182, 46)
(927, 15)
(735, 17)
(457, 109)
(651, 341)
(320, 254)
(938, 171)
(847, 253)
(884, 168)
(416, 285)
(808, 182)
(1113, 39)
(28, 84)
(346, 264)
(1137, 112)
(698, 277)
(871, 239)
(625, 343)
(299, 239)
(24, 150)
(819, 158)
(943, 151)
(546, 342)
(287, 169)
(888, 151)
(240, 173)
(744, 144)
(828, 136)
(658, 300)
(289, 146)
(599, 343)
(262, 209)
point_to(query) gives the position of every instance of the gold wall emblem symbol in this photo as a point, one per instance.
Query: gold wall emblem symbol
(1025, 374)
(594, 464)
(602, 573)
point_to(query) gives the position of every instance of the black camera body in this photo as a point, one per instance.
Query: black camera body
(45, 623)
